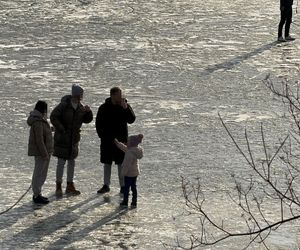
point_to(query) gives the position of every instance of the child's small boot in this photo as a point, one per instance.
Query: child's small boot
(133, 203)
(124, 203)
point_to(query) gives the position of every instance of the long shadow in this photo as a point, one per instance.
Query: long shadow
(11, 217)
(70, 236)
(230, 64)
(49, 225)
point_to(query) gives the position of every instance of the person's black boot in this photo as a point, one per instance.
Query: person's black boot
(104, 189)
(58, 191)
(45, 198)
(40, 200)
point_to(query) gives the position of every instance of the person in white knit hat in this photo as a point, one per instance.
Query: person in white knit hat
(130, 166)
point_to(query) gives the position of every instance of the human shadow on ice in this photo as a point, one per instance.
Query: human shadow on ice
(230, 64)
(71, 235)
(49, 225)
(12, 216)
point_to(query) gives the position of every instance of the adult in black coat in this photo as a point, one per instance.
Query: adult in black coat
(286, 13)
(112, 122)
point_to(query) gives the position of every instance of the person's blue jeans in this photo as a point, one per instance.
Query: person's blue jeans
(130, 182)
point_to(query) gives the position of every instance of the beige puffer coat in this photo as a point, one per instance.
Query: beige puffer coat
(40, 136)
(130, 165)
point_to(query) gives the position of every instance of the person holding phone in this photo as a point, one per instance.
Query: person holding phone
(67, 119)
(112, 121)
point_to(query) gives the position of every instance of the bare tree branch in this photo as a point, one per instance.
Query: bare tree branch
(275, 181)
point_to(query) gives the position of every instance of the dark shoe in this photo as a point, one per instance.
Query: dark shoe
(124, 204)
(104, 189)
(70, 189)
(133, 204)
(45, 198)
(58, 191)
(122, 190)
(40, 200)
(289, 38)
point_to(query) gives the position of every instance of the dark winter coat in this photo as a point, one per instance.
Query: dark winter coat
(286, 4)
(67, 123)
(40, 137)
(111, 123)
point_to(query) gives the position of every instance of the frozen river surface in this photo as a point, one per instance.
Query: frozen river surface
(180, 62)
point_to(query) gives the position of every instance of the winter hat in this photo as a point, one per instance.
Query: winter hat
(134, 140)
(41, 106)
(77, 90)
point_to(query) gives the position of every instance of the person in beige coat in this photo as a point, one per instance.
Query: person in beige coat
(40, 146)
(130, 166)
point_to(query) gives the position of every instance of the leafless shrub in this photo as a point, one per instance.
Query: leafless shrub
(275, 181)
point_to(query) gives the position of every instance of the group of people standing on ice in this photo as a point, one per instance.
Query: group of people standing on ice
(111, 126)
(67, 117)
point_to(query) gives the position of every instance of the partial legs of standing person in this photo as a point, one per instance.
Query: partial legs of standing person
(285, 19)
(70, 189)
(107, 176)
(38, 179)
(130, 182)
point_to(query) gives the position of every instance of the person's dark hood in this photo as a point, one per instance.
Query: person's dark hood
(66, 98)
(108, 100)
(34, 116)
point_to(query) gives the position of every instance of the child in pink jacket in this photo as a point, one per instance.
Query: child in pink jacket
(130, 166)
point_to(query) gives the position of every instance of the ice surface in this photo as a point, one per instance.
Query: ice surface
(179, 63)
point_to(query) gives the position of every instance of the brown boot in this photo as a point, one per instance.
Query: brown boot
(58, 191)
(70, 189)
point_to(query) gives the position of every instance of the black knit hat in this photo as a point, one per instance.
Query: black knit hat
(41, 106)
